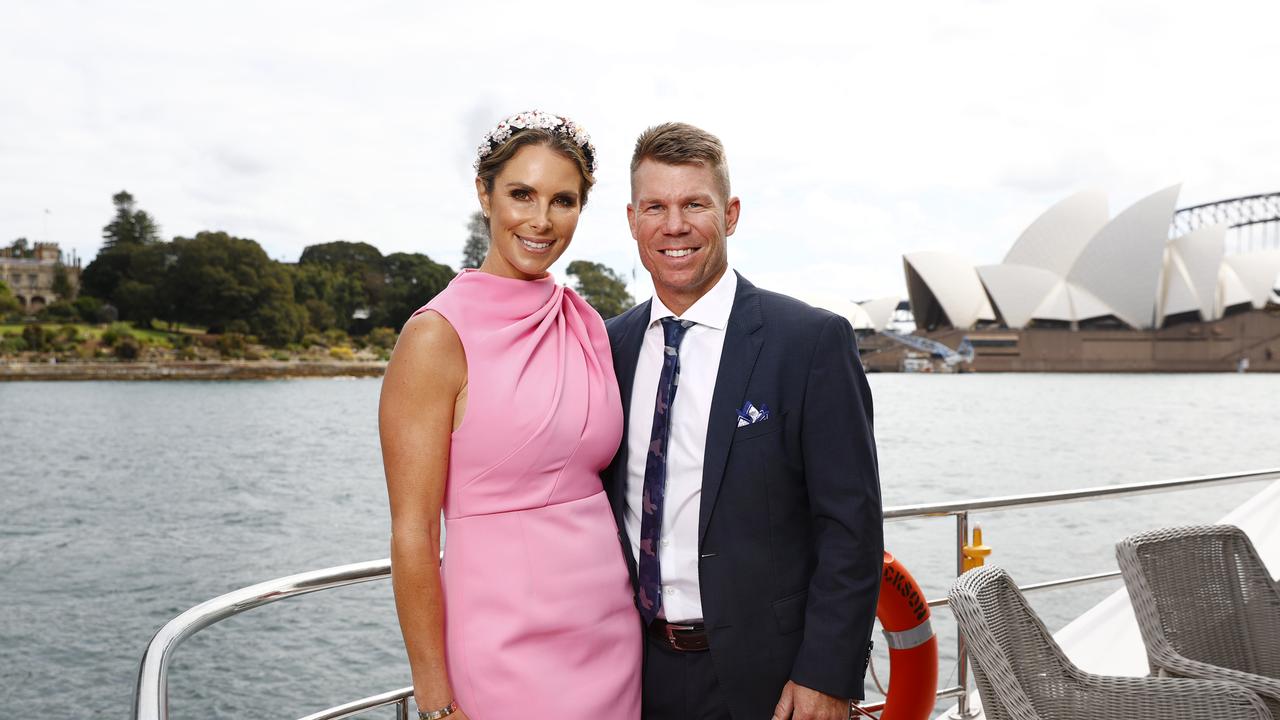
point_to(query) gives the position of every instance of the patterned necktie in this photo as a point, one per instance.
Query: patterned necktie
(655, 470)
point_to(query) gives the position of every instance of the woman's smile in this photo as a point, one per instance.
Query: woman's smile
(535, 244)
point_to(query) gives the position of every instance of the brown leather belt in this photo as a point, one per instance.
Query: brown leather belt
(686, 637)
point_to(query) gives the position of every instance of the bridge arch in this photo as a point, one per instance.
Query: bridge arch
(1253, 221)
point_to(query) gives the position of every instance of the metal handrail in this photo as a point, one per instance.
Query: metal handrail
(399, 698)
(1007, 502)
(1047, 585)
(151, 701)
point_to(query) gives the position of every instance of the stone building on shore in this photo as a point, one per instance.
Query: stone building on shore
(32, 275)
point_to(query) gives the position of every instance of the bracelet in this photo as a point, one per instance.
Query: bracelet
(445, 711)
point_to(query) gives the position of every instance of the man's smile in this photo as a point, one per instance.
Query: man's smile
(679, 252)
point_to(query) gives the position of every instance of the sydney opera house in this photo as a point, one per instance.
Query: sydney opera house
(1150, 289)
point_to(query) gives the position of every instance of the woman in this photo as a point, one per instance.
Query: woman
(500, 406)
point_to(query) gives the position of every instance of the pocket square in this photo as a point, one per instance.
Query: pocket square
(749, 414)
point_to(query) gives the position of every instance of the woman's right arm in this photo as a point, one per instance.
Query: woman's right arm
(426, 373)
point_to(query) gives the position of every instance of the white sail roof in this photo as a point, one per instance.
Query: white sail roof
(1121, 265)
(847, 309)
(1257, 272)
(1018, 290)
(880, 310)
(1179, 297)
(1231, 291)
(1191, 272)
(951, 283)
(1071, 303)
(1056, 238)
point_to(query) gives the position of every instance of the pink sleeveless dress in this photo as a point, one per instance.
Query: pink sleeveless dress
(539, 617)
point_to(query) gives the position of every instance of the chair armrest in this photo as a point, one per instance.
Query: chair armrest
(1149, 697)
(1186, 667)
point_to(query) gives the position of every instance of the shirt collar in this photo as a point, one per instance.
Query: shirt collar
(712, 309)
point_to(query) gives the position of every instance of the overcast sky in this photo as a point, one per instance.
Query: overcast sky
(856, 131)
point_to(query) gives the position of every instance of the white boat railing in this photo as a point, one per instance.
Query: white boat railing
(151, 701)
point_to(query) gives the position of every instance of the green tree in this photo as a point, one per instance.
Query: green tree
(280, 322)
(329, 295)
(140, 302)
(20, 248)
(36, 336)
(216, 279)
(128, 277)
(342, 254)
(88, 308)
(601, 287)
(8, 303)
(130, 226)
(130, 264)
(58, 311)
(105, 272)
(477, 245)
(360, 261)
(62, 282)
(412, 279)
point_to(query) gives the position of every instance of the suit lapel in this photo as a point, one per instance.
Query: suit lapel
(626, 355)
(742, 343)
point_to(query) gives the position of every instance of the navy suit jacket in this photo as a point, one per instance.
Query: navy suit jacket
(790, 528)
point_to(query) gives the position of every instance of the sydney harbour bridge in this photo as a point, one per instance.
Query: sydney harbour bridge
(1253, 221)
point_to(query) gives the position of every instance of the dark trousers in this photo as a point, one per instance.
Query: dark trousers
(680, 685)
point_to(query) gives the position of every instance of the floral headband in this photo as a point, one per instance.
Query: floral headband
(536, 119)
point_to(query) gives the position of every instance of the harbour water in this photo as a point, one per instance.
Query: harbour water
(123, 504)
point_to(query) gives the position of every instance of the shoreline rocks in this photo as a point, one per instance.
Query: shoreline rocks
(220, 370)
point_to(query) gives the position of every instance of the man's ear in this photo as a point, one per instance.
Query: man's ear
(482, 194)
(731, 210)
(631, 220)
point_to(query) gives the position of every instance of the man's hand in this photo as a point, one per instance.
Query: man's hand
(801, 703)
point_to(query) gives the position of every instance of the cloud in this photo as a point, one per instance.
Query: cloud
(1055, 172)
(856, 132)
(236, 161)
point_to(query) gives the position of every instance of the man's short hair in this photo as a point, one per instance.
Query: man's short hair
(676, 143)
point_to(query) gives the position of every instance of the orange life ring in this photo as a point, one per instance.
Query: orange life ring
(913, 647)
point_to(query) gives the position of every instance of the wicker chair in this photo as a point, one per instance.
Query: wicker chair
(1206, 605)
(1022, 674)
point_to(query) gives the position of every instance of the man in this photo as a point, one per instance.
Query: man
(746, 484)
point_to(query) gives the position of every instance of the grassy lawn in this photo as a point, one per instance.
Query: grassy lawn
(82, 341)
(152, 337)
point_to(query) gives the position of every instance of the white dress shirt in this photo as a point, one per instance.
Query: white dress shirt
(686, 443)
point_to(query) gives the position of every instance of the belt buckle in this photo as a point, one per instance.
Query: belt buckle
(672, 628)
